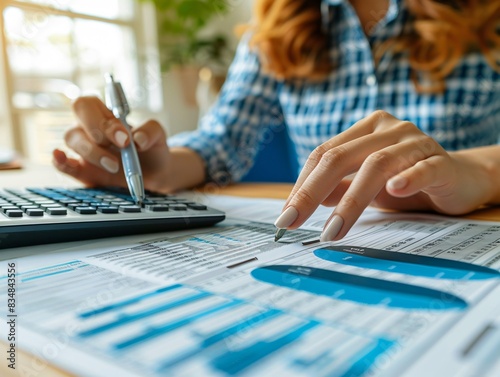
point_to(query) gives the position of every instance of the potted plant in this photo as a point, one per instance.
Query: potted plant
(184, 44)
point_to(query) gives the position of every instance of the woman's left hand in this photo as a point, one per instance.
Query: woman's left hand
(397, 166)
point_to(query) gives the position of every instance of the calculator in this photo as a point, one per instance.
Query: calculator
(32, 216)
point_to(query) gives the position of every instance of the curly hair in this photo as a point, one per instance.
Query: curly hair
(292, 44)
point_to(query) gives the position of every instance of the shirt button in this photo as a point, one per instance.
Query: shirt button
(371, 80)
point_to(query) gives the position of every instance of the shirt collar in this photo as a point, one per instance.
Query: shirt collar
(392, 12)
(333, 2)
(392, 3)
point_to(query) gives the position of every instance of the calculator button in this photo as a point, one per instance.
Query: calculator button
(108, 209)
(130, 209)
(74, 206)
(86, 210)
(169, 201)
(157, 208)
(121, 203)
(44, 202)
(68, 201)
(8, 207)
(196, 206)
(21, 201)
(178, 207)
(57, 211)
(25, 207)
(14, 213)
(34, 212)
(45, 206)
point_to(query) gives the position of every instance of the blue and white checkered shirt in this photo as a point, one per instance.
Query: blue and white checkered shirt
(466, 115)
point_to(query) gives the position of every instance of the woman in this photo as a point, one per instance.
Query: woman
(403, 93)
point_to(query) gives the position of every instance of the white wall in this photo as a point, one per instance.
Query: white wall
(240, 13)
(177, 115)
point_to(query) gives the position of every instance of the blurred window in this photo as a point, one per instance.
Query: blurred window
(57, 50)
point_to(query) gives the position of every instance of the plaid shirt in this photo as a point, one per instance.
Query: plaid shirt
(251, 103)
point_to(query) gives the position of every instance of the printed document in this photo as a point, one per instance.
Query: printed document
(229, 301)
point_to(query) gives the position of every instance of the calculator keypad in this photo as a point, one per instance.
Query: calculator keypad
(38, 202)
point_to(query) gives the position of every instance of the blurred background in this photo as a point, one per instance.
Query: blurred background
(171, 57)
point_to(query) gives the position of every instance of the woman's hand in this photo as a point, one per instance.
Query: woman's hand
(98, 138)
(397, 167)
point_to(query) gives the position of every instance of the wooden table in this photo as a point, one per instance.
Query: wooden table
(40, 175)
(282, 190)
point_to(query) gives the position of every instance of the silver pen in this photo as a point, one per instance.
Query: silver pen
(117, 103)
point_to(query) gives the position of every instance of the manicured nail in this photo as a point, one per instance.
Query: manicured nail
(397, 183)
(286, 218)
(120, 138)
(332, 229)
(141, 139)
(109, 164)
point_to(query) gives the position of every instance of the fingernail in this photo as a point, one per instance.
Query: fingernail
(120, 138)
(397, 182)
(332, 229)
(140, 139)
(109, 164)
(286, 218)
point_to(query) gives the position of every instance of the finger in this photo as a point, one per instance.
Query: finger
(372, 177)
(361, 128)
(431, 174)
(78, 141)
(436, 178)
(336, 164)
(89, 174)
(419, 201)
(99, 123)
(334, 198)
(148, 135)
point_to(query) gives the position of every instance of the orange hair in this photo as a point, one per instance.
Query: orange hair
(292, 45)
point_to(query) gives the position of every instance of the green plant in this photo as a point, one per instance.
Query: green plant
(181, 23)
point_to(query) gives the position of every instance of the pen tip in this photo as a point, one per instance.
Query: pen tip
(279, 234)
(108, 76)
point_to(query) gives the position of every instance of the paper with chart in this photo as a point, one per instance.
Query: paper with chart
(229, 301)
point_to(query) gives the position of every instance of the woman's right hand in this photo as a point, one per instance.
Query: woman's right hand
(97, 139)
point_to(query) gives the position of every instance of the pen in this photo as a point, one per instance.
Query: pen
(287, 217)
(117, 103)
(279, 233)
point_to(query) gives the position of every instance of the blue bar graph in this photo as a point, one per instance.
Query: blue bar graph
(241, 325)
(124, 319)
(408, 264)
(365, 360)
(234, 362)
(244, 342)
(359, 289)
(125, 303)
(164, 329)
